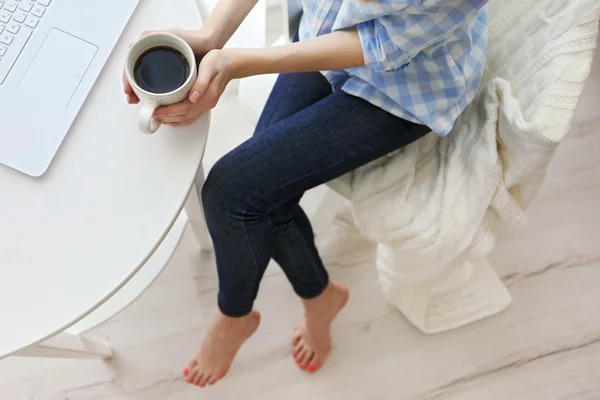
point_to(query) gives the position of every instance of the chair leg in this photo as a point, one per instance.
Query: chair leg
(66, 345)
(195, 212)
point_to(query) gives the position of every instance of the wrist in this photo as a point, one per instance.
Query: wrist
(211, 37)
(236, 62)
(204, 41)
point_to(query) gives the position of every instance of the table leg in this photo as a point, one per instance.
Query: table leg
(66, 345)
(195, 212)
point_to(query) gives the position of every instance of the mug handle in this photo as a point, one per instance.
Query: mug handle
(148, 124)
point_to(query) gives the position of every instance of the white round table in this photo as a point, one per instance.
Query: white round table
(73, 241)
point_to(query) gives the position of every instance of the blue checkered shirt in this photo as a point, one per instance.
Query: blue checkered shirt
(424, 59)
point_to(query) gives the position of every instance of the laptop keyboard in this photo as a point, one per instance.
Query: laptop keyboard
(18, 20)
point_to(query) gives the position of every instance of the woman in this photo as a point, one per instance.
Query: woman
(393, 71)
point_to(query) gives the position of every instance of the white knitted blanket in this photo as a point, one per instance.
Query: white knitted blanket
(441, 201)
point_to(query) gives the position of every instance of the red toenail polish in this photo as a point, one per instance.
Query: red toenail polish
(311, 368)
(186, 372)
(303, 366)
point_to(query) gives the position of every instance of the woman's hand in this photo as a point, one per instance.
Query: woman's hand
(214, 73)
(199, 40)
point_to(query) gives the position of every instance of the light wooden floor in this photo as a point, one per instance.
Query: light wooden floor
(546, 346)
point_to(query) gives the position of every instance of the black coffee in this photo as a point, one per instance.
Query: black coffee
(161, 70)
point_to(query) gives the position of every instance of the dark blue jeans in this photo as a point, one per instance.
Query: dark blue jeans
(306, 136)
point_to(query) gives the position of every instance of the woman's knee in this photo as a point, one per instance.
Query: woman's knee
(224, 191)
(216, 186)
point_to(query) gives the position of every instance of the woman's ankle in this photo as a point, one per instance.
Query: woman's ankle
(329, 301)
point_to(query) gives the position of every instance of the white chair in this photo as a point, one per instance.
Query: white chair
(469, 292)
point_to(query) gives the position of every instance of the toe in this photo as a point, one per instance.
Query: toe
(314, 365)
(204, 380)
(304, 357)
(300, 356)
(216, 377)
(201, 382)
(191, 378)
(297, 337)
(190, 367)
(307, 360)
(298, 349)
(198, 379)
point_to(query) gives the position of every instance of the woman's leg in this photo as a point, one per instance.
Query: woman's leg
(293, 93)
(315, 145)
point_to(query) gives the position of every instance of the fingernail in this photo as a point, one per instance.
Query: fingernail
(195, 96)
(311, 368)
(186, 372)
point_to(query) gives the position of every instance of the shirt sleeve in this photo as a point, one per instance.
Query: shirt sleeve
(399, 30)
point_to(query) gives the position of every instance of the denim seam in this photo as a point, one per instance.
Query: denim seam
(254, 257)
(307, 246)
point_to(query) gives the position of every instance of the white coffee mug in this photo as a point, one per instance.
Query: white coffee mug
(150, 101)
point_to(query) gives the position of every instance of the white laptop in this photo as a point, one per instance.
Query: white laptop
(51, 53)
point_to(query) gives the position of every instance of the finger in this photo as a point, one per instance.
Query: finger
(177, 119)
(205, 76)
(187, 119)
(172, 110)
(181, 123)
(125, 81)
(126, 85)
(172, 120)
(132, 99)
(213, 94)
(128, 90)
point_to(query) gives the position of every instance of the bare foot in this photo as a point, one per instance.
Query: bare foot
(312, 342)
(224, 338)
